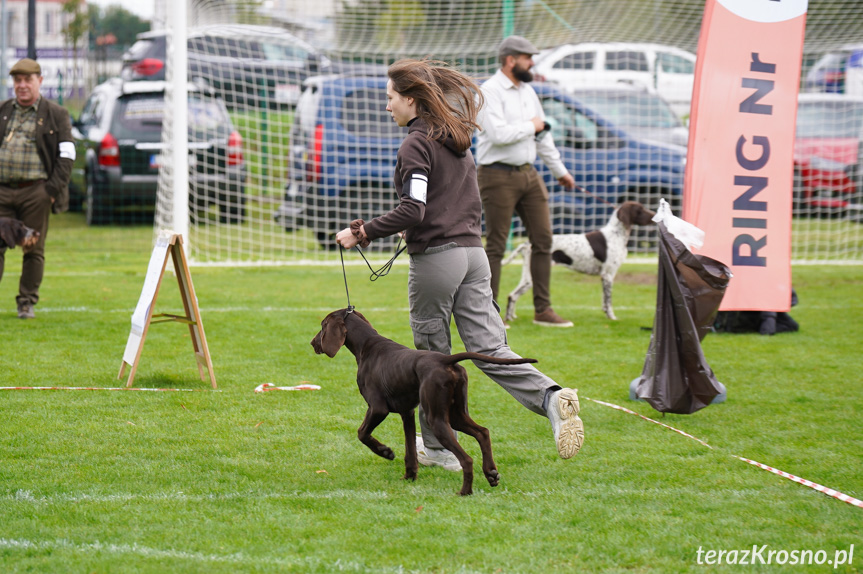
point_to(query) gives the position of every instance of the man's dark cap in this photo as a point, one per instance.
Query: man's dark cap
(26, 66)
(515, 45)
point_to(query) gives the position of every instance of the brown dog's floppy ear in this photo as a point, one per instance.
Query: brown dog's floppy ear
(624, 213)
(333, 335)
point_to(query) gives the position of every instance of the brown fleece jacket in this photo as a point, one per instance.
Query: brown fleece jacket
(452, 211)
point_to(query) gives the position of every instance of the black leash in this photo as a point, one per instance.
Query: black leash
(345, 275)
(385, 268)
(588, 192)
(383, 271)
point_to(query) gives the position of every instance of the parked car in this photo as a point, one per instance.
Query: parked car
(344, 143)
(828, 155)
(258, 66)
(119, 152)
(641, 113)
(831, 72)
(665, 70)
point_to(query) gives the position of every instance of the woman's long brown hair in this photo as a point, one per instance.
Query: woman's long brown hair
(446, 100)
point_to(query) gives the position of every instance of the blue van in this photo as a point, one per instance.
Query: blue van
(343, 152)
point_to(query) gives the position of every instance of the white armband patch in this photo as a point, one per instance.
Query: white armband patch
(419, 186)
(67, 150)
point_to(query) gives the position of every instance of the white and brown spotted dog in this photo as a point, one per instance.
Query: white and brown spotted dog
(598, 252)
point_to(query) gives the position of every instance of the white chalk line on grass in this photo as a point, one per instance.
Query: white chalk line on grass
(29, 497)
(808, 483)
(338, 565)
(355, 262)
(398, 309)
(206, 310)
(136, 549)
(199, 557)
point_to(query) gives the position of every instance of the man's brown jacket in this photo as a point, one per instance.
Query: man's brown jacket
(52, 127)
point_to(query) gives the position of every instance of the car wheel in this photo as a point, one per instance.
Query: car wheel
(197, 207)
(292, 212)
(855, 206)
(327, 241)
(76, 198)
(232, 208)
(97, 213)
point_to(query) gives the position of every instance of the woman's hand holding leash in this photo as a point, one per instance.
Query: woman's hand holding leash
(353, 235)
(346, 238)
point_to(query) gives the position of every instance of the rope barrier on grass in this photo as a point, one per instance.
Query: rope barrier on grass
(813, 485)
(266, 387)
(619, 408)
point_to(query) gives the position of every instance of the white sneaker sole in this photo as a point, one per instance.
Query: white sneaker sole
(544, 324)
(453, 465)
(425, 461)
(571, 435)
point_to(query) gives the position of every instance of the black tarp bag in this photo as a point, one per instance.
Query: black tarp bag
(676, 377)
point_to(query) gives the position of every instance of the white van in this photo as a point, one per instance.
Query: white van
(665, 70)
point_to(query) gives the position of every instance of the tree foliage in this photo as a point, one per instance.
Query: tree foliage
(116, 20)
(77, 24)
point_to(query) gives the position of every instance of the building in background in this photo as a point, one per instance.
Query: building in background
(63, 67)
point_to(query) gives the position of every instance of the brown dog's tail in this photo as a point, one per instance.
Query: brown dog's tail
(487, 359)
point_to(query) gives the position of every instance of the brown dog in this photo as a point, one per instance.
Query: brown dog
(13, 232)
(395, 379)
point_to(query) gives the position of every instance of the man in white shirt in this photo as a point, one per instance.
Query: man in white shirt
(513, 133)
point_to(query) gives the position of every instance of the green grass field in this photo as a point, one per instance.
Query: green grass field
(234, 481)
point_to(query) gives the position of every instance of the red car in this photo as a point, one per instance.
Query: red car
(827, 154)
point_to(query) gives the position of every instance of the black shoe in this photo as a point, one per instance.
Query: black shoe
(25, 311)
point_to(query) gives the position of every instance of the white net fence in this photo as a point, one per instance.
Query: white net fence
(310, 146)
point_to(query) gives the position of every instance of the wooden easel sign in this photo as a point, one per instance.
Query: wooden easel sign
(168, 244)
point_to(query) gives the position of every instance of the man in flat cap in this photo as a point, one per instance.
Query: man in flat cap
(36, 156)
(513, 133)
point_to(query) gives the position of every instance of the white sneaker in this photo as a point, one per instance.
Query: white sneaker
(568, 428)
(436, 457)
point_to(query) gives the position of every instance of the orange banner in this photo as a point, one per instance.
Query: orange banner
(739, 172)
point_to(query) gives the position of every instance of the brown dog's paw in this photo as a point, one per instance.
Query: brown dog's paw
(410, 475)
(493, 477)
(466, 491)
(386, 452)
